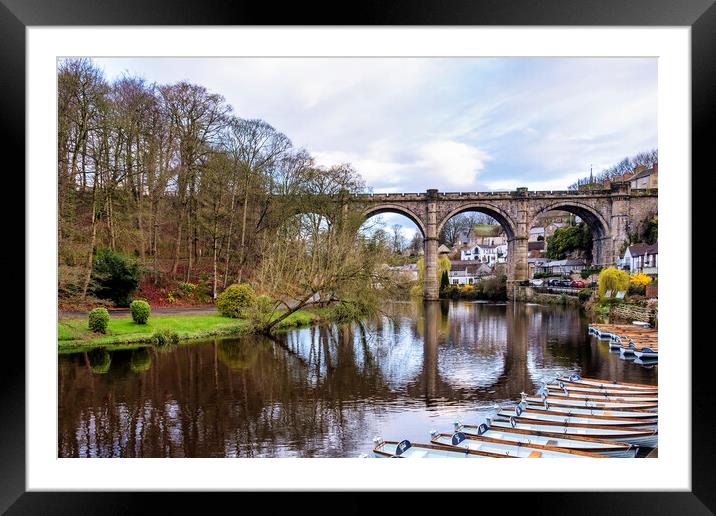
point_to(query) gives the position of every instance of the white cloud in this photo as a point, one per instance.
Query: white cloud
(409, 124)
(457, 164)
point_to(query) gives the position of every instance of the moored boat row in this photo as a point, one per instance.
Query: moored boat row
(543, 426)
(630, 339)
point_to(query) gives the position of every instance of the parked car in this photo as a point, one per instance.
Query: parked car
(565, 283)
(537, 282)
(554, 282)
(577, 284)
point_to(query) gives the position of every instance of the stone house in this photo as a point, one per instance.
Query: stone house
(646, 178)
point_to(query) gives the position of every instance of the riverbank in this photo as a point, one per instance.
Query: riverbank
(123, 333)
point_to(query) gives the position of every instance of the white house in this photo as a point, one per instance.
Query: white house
(641, 258)
(468, 274)
(485, 253)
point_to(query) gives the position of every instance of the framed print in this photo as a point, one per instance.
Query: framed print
(275, 253)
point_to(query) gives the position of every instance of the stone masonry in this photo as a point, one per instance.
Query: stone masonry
(610, 213)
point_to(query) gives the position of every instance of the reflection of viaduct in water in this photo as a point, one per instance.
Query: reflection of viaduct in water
(515, 376)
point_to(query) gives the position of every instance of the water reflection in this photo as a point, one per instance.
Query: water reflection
(324, 391)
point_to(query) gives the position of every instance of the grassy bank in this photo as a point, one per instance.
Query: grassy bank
(123, 332)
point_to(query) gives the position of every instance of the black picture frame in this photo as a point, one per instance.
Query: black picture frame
(700, 15)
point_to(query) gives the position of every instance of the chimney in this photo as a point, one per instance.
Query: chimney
(656, 169)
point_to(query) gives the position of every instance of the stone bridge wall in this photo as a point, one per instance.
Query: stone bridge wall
(610, 213)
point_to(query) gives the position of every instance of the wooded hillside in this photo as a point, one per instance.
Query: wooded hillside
(170, 176)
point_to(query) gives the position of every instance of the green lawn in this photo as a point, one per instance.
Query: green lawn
(74, 333)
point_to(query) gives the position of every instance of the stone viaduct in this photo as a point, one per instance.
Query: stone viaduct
(611, 214)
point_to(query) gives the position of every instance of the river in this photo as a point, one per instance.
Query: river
(325, 391)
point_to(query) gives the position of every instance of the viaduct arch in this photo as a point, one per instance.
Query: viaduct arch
(610, 214)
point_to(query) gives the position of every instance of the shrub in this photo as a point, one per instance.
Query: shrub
(164, 337)
(494, 288)
(639, 279)
(185, 289)
(637, 290)
(588, 271)
(140, 311)
(115, 276)
(260, 312)
(612, 279)
(235, 300)
(584, 294)
(98, 320)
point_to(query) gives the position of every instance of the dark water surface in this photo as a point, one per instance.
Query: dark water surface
(326, 391)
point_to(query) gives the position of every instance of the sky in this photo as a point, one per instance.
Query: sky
(455, 124)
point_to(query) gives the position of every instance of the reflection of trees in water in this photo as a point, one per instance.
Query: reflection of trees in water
(241, 353)
(99, 360)
(308, 392)
(141, 360)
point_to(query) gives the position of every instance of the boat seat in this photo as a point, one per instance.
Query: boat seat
(534, 455)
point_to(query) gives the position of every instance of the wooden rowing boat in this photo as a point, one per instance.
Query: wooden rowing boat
(606, 384)
(566, 401)
(545, 418)
(527, 438)
(561, 387)
(646, 352)
(595, 413)
(637, 436)
(510, 448)
(601, 396)
(407, 450)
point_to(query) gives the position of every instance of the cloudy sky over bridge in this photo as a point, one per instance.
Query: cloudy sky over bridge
(455, 124)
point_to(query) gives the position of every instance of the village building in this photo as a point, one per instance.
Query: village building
(536, 249)
(647, 178)
(536, 234)
(482, 253)
(534, 265)
(567, 266)
(468, 272)
(641, 258)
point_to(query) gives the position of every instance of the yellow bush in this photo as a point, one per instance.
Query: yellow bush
(639, 279)
(613, 279)
(468, 287)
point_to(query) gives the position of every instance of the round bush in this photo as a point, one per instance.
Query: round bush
(140, 311)
(584, 294)
(235, 300)
(98, 320)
